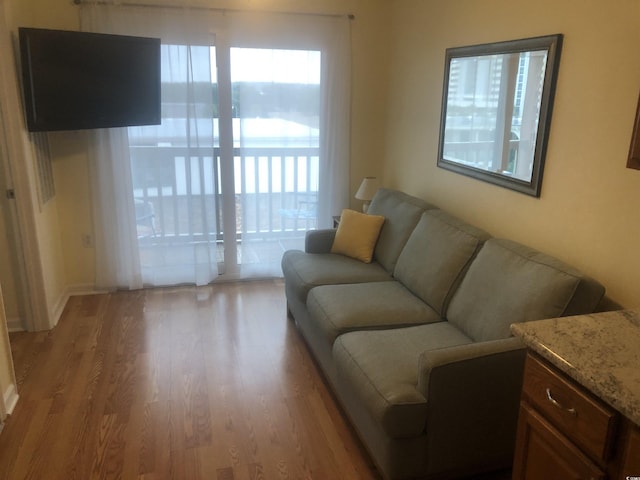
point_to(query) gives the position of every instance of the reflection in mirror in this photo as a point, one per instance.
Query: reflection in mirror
(496, 110)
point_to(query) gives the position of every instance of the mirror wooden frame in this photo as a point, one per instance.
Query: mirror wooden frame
(552, 45)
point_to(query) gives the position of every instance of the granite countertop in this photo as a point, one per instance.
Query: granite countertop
(601, 351)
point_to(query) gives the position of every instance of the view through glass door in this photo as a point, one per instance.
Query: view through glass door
(275, 104)
(270, 190)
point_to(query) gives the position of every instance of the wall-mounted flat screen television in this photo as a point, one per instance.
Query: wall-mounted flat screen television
(81, 80)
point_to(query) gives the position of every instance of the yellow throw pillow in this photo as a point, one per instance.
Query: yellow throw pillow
(357, 235)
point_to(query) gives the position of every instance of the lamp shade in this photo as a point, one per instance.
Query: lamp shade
(367, 189)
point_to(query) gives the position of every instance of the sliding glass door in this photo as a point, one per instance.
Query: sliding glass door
(253, 149)
(275, 105)
(204, 208)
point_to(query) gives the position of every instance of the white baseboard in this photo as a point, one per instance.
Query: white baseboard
(15, 324)
(82, 289)
(10, 398)
(58, 308)
(70, 291)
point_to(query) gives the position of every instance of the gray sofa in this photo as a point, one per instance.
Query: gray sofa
(416, 344)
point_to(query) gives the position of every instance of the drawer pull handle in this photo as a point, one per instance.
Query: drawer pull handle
(572, 411)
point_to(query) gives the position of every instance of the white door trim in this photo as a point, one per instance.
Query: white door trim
(19, 169)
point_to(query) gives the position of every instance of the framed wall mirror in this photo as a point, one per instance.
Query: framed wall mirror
(496, 110)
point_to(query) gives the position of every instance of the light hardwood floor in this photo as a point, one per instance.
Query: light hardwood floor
(182, 383)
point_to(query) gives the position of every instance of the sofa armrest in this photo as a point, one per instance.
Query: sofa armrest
(473, 396)
(468, 359)
(319, 241)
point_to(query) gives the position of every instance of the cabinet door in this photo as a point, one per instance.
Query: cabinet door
(631, 466)
(543, 453)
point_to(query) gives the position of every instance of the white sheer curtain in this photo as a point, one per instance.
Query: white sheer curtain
(117, 259)
(125, 259)
(121, 261)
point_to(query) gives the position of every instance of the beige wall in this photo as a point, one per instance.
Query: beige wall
(588, 212)
(70, 169)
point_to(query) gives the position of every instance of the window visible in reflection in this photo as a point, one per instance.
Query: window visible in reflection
(493, 104)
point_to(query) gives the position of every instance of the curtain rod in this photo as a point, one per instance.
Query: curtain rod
(350, 16)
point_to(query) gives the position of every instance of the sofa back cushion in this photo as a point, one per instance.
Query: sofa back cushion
(401, 213)
(435, 257)
(510, 283)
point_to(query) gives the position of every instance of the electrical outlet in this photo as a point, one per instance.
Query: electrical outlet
(87, 240)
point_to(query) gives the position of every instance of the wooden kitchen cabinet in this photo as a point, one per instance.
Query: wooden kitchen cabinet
(565, 432)
(545, 453)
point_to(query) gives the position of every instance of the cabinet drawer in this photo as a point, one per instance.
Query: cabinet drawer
(584, 419)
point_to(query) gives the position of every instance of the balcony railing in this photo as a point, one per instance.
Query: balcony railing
(481, 154)
(178, 192)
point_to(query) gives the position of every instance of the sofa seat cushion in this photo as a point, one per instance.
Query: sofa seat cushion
(437, 255)
(511, 283)
(337, 309)
(304, 271)
(380, 369)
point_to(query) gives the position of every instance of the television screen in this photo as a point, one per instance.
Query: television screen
(80, 80)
